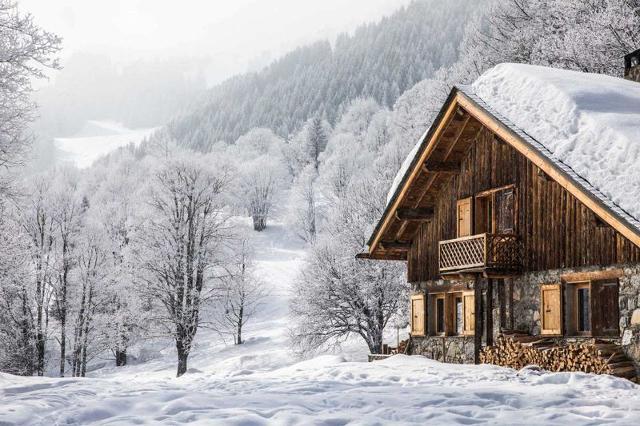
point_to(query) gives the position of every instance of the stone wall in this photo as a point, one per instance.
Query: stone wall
(451, 349)
(526, 298)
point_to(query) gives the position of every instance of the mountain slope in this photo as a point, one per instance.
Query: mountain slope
(379, 60)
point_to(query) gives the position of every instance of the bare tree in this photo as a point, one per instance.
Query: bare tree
(303, 205)
(182, 246)
(244, 293)
(317, 141)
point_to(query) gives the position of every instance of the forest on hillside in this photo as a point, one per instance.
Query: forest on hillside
(379, 60)
(145, 245)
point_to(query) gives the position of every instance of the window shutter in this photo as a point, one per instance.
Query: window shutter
(468, 303)
(418, 315)
(551, 309)
(464, 217)
(505, 215)
(604, 308)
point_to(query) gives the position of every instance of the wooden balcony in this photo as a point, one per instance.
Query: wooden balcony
(483, 252)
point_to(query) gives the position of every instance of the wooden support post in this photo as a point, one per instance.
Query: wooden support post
(502, 302)
(511, 323)
(477, 336)
(489, 313)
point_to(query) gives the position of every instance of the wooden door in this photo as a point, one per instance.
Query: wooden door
(605, 314)
(464, 217)
(551, 307)
(418, 315)
(468, 306)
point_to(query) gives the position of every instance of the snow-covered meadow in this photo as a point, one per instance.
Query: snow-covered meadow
(261, 382)
(96, 139)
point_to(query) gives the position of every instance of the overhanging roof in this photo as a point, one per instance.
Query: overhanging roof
(464, 98)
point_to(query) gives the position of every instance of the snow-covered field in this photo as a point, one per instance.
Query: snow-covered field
(97, 139)
(261, 382)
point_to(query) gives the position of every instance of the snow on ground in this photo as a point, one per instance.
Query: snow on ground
(261, 382)
(96, 139)
(590, 122)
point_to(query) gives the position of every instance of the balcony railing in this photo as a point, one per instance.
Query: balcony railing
(501, 252)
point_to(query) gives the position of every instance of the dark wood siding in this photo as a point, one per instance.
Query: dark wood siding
(556, 229)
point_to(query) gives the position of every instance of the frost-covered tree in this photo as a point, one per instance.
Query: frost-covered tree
(316, 139)
(244, 293)
(181, 245)
(38, 227)
(304, 205)
(17, 337)
(336, 295)
(67, 207)
(26, 51)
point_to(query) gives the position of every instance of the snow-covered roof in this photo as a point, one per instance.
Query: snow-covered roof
(586, 125)
(589, 123)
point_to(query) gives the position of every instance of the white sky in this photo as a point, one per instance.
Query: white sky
(230, 34)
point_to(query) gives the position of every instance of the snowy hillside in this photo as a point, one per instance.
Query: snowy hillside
(95, 139)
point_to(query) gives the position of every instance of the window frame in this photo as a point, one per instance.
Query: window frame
(571, 289)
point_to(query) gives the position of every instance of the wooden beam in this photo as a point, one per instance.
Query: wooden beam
(395, 245)
(457, 137)
(414, 214)
(450, 167)
(440, 126)
(477, 332)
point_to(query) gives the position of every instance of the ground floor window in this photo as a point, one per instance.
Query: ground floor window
(440, 314)
(452, 313)
(584, 308)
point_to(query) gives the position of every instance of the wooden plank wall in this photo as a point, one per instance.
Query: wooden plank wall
(557, 230)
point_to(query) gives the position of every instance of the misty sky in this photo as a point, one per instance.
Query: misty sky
(231, 36)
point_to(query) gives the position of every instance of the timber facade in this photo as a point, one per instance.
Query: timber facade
(502, 239)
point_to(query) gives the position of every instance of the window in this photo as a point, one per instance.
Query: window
(551, 309)
(495, 211)
(418, 315)
(583, 307)
(453, 314)
(440, 315)
(464, 217)
(504, 212)
(593, 308)
(459, 315)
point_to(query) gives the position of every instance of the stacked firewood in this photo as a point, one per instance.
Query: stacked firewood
(518, 350)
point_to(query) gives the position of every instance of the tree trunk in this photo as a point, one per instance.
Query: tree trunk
(239, 329)
(63, 341)
(259, 223)
(183, 354)
(121, 357)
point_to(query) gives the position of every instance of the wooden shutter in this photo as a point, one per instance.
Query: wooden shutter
(468, 307)
(464, 217)
(505, 211)
(551, 309)
(604, 308)
(418, 315)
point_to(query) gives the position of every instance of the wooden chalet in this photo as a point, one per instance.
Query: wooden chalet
(512, 256)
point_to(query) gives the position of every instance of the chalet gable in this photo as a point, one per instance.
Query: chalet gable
(438, 156)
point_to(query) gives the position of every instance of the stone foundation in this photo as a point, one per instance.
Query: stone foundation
(522, 306)
(451, 349)
(526, 296)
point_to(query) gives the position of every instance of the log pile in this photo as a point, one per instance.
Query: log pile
(517, 350)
